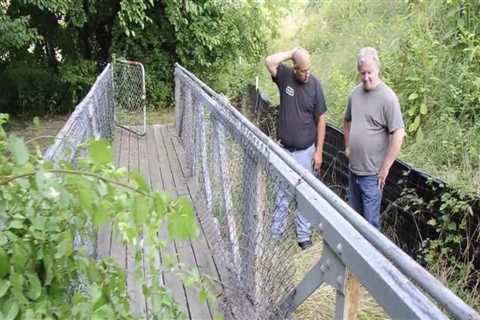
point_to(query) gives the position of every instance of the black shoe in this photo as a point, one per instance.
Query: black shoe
(305, 244)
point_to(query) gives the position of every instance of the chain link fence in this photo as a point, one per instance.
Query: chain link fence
(240, 182)
(129, 96)
(241, 196)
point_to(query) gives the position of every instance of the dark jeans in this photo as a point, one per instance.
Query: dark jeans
(365, 197)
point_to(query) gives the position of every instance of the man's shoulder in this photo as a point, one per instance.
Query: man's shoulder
(388, 93)
(283, 71)
(356, 90)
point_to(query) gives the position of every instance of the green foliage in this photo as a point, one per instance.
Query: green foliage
(429, 54)
(51, 50)
(450, 251)
(221, 42)
(45, 206)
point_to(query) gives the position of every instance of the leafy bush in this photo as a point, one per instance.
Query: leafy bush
(47, 208)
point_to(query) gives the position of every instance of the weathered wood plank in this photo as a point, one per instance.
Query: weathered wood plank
(171, 281)
(155, 182)
(143, 169)
(186, 251)
(117, 248)
(179, 181)
(200, 247)
(104, 234)
(135, 293)
(158, 157)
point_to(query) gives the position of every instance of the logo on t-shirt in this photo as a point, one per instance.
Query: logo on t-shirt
(289, 90)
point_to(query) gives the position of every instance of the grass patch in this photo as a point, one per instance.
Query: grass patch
(321, 304)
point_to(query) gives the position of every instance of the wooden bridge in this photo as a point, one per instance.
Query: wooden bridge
(160, 158)
(233, 174)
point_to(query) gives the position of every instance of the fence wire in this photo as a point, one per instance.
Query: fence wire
(129, 95)
(91, 119)
(241, 194)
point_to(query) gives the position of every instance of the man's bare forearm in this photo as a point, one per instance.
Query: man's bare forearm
(321, 129)
(273, 61)
(346, 133)
(394, 147)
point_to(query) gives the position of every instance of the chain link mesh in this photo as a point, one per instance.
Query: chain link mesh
(241, 194)
(92, 119)
(129, 84)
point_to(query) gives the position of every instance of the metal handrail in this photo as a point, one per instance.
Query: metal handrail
(409, 267)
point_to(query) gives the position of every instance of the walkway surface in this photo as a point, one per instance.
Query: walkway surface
(159, 157)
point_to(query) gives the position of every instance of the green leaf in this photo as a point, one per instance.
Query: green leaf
(182, 222)
(18, 149)
(12, 310)
(16, 224)
(141, 210)
(4, 286)
(161, 203)
(423, 109)
(139, 181)
(100, 214)
(65, 247)
(100, 152)
(414, 126)
(4, 263)
(34, 290)
(413, 96)
(104, 312)
(452, 226)
(20, 257)
(203, 295)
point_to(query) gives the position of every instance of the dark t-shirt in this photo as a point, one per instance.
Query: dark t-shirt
(300, 105)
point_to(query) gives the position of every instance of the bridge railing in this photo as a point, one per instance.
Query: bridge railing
(91, 119)
(116, 98)
(250, 188)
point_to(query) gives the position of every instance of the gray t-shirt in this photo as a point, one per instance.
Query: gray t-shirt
(374, 115)
(300, 105)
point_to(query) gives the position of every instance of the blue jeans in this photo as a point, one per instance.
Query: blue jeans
(279, 221)
(365, 197)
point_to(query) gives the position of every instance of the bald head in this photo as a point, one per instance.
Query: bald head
(301, 57)
(302, 64)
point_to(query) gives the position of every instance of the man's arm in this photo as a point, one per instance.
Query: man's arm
(273, 61)
(396, 140)
(318, 155)
(347, 125)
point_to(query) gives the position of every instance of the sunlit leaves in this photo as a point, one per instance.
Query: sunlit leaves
(47, 208)
(100, 152)
(18, 149)
(182, 224)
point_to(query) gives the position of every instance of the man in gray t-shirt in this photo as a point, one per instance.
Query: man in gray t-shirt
(301, 126)
(374, 133)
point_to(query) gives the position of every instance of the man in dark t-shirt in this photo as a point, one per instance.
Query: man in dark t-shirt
(301, 126)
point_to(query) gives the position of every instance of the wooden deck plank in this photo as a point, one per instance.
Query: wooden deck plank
(104, 234)
(135, 293)
(203, 256)
(155, 181)
(143, 170)
(160, 159)
(196, 309)
(171, 280)
(117, 249)
(178, 179)
(186, 249)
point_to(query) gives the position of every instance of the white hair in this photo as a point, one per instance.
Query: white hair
(365, 53)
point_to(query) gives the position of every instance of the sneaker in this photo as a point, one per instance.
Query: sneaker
(305, 244)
